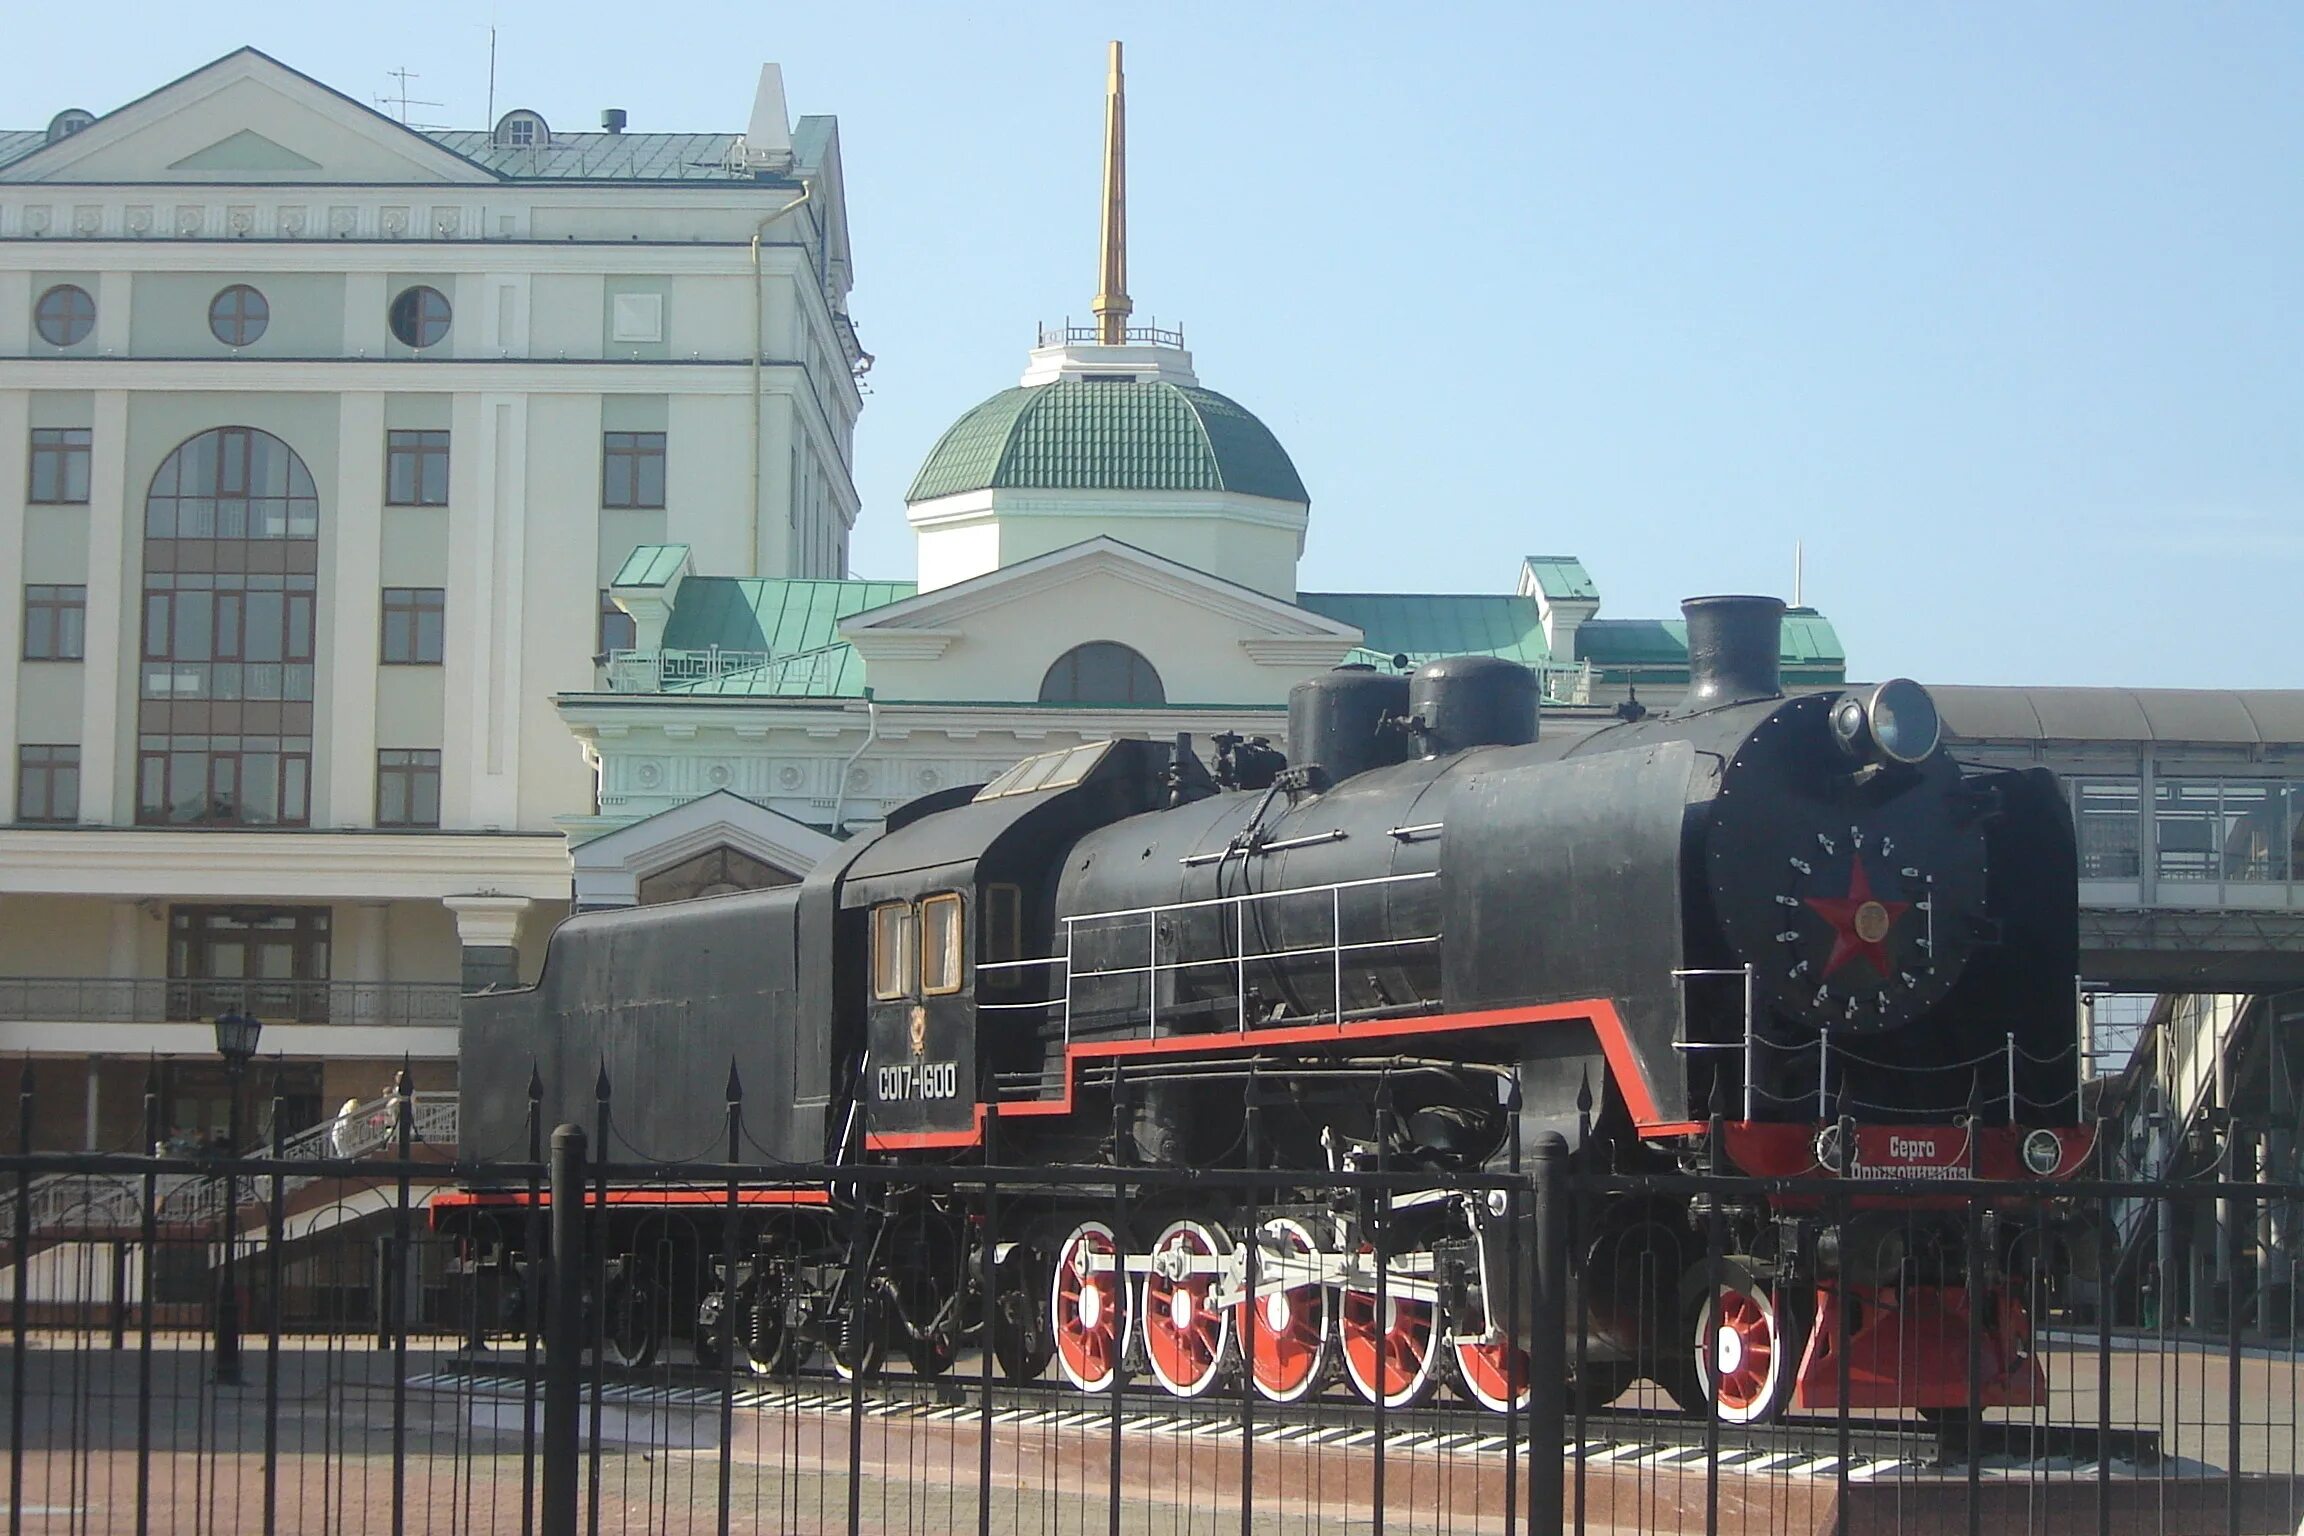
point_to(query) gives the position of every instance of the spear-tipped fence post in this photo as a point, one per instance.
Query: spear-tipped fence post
(22, 1245)
(731, 1254)
(564, 1333)
(1547, 1339)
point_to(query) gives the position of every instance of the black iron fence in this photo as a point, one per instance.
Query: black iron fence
(546, 1343)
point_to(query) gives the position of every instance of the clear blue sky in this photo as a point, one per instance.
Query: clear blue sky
(1996, 307)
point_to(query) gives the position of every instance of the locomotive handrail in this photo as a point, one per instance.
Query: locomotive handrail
(1247, 896)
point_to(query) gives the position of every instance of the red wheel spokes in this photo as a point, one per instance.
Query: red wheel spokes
(1741, 1382)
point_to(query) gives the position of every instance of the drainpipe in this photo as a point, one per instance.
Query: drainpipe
(871, 734)
(758, 230)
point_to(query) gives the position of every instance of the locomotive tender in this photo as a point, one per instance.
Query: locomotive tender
(1780, 936)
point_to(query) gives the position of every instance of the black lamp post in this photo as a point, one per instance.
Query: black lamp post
(236, 1036)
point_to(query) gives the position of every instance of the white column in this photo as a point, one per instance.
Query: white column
(364, 945)
(480, 760)
(115, 292)
(354, 528)
(108, 676)
(15, 455)
(488, 928)
(95, 1104)
(122, 954)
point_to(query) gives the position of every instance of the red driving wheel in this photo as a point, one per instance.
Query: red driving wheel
(1392, 1356)
(1185, 1334)
(1088, 1309)
(1494, 1375)
(1746, 1346)
(1286, 1327)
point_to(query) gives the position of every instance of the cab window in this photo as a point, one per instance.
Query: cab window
(1003, 932)
(940, 944)
(891, 949)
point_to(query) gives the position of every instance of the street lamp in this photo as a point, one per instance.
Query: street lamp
(236, 1036)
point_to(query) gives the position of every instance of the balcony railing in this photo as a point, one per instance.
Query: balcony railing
(1069, 334)
(110, 1000)
(655, 671)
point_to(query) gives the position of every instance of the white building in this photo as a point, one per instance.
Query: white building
(320, 439)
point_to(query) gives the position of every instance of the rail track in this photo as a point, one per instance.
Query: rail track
(1625, 1438)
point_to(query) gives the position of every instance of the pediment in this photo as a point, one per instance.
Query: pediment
(1049, 579)
(609, 867)
(246, 150)
(245, 118)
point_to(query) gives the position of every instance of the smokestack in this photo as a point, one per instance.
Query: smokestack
(1733, 644)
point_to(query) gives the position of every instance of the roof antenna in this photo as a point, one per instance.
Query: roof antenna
(1796, 573)
(491, 118)
(1112, 305)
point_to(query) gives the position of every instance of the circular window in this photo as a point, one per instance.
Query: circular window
(64, 315)
(420, 316)
(238, 315)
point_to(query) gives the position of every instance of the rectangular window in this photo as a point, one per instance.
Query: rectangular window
(270, 961)
(940, 927)
(48, 785)
(407, 788)
(2108, 821)
(227, 636)
(233, 781)
(891, 949)
(415, 469)
(617, 631)
(59, 466)
(55, 623)
(415, 620)
(632, 469)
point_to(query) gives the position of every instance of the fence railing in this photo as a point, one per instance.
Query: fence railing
(1545, 1345)
(150, 1000)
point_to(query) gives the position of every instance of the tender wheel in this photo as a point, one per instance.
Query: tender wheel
(1021, 1343)
(1287, 1332)
(633, 1330)
(1393, 1359)
(1088, 1307)
(860, 1343)
(1493, 1375)
(1185, 1334)
(1747, 1348)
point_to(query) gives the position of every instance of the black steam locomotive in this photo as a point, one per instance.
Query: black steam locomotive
(1783, 936)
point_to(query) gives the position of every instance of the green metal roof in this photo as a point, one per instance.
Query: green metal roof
(600, 156)
(1658, 648)
(650, 565)
(794, 625)
(1149, 435)
(1561, 576)
(1424, 625)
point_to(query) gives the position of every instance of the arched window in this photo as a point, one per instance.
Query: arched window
(1101, 672)
(231, 563)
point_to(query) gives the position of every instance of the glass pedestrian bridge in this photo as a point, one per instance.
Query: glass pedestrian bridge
(2189, 809)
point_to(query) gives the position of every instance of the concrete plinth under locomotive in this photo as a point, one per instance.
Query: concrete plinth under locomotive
(1738, 936)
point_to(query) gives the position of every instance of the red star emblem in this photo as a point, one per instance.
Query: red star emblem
(1860, 921)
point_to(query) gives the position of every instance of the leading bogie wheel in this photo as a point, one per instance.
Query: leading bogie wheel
(1088, 1307)
(1747, 1347)
(1186, 1336)
(633, 1329)
(1391, 1354)
(1286, 1330)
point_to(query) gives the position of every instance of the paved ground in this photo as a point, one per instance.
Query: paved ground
(461, 1468)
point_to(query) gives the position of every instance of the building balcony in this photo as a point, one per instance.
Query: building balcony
(142, 1000)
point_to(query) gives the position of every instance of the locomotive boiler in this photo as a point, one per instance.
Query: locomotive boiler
(1767, 935)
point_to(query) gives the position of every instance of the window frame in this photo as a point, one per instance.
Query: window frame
(248, 323)
(415, 448)
(65, 614)
(412, 772)
(291, 786)
(47, 773)
(63, 449)
(892, 977)
(613, 617)
(954, 949)
(82, 316)
(416, 300)
(632, 452)
(410, 605)
(1067, 689)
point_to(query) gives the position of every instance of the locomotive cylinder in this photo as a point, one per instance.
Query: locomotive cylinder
(1473, 701)
(1337, 721)
(1733, 648)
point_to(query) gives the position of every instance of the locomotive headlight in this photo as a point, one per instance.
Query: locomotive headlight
(2043, 1151)
(1896, 723)
(1905, 725)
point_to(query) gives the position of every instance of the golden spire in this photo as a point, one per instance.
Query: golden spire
(1112, 307)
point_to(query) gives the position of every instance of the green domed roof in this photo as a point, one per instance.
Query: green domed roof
(1149, 435)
